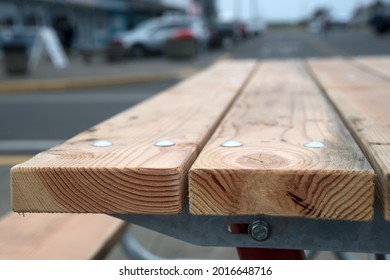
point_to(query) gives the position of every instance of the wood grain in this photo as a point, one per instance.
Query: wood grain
(273, 173)
(58, 236)
(364, 105)
(132, 175)
(379, 65)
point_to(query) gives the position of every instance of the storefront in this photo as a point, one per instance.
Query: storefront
(89, 23)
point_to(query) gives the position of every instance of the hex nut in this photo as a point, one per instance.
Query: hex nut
(259, 230)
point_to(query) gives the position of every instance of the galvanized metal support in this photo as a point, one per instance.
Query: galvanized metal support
(287, 233)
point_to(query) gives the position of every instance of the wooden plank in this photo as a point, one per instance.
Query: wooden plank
(133, 175)
(364, 105)
(377, 64)
(273, 173)
(58, 236)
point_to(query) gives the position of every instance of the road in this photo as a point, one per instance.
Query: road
(61, 114)
(301, 44)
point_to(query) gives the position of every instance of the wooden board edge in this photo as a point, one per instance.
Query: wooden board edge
(292, 205)
(382, 186)
(51, 197)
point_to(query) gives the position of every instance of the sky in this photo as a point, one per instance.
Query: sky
(286, 10)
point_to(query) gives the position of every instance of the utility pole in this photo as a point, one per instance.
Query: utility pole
(252, 9)
(237, 8)
(256, 9)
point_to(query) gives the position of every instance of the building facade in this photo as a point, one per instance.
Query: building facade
(209, 10)
(92, 22)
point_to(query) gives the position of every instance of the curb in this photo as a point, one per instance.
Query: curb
(58, 84)
(102, 81)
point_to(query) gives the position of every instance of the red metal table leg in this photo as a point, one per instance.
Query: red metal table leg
(265, 254)
(270, 254)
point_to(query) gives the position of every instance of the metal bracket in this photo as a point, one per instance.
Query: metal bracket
(287, 233)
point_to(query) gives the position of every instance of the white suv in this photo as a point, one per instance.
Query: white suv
(151, 36)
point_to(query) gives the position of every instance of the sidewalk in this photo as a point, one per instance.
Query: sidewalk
(100, 73)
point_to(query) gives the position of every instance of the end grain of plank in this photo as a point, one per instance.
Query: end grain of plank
(132, 175)
(273, 173)
(365, 109)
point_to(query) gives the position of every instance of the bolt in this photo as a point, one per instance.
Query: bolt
(102, 143)
(164, 143)
(259, 230)
(314, 144)
(231, 144)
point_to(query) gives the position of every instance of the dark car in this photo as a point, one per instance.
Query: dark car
(380, 21)
(224, 35)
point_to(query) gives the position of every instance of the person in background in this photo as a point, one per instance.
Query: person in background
(65, 32)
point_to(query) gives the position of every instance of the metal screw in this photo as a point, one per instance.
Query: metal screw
(234, 81)
(102, 143)
(164, 143)
(351, 77)
(314, 144)
(259, 230)
(231, 143)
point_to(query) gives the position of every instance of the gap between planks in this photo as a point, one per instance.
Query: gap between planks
(377, 65)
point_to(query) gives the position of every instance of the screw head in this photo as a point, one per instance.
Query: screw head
(234, 81)
(351, 77)
(164, 143)
(314, 144)
(102, 143)
(259, 230)
(231, 144)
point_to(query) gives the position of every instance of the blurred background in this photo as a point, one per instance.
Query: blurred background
(69, 64)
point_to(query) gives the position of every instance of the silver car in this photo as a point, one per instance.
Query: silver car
(151, 36)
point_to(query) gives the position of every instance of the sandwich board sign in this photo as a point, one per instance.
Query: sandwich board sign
(47, 41)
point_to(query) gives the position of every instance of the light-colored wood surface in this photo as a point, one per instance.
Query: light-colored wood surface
(379, 65)
(58, 236)
(132, 175)
(273, 173)
(364, 104)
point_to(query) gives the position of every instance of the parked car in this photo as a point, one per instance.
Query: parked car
(224, 34)
(243, 29)
(380, 20)
(256, 27)
(152, 35)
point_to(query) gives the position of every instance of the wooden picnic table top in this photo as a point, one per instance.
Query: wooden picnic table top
(285, 138)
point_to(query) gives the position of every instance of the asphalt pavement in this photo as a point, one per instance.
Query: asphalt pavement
(32, 121)
(62, 114)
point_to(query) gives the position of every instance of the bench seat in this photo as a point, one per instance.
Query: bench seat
(58, 236)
